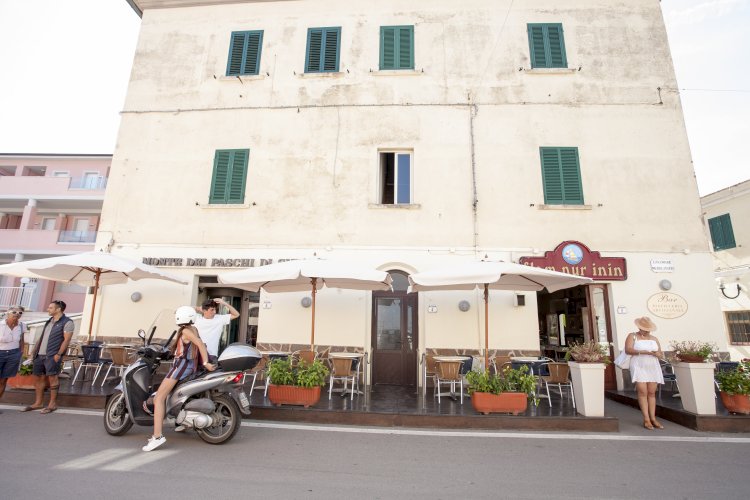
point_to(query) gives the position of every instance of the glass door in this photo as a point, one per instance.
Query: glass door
(600, 326)
(394, 338)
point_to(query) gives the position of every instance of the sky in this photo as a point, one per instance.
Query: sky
(65, 66)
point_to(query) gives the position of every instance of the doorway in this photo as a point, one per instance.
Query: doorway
(394, 334)
(576, 315)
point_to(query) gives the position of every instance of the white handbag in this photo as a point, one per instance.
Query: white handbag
(623, 360)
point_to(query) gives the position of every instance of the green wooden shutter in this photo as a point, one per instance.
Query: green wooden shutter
(244, 53)
(561, 176)
(236, 191)
(236, 48)
(396, 47)
(547, 46)
(722, 234)
(229, 176)
(323, 46)
(387, 47)
(536, 46)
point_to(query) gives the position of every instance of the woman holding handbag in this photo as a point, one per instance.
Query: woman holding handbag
(645, 369)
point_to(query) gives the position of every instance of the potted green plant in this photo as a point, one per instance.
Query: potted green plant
(734, 388)
(24, 379)
(587, 373)
(693, 351)
(295, 385)
(506, 392)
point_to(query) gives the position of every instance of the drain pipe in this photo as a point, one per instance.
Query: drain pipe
(473, 111)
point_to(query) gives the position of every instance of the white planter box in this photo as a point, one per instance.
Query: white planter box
(588, 387)
(696, 385)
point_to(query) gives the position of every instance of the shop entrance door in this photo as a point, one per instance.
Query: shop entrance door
(394, 336)
(600, 326)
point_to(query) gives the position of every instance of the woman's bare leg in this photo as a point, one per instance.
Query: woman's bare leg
(160, 404)
(642, 389)
(651, 389)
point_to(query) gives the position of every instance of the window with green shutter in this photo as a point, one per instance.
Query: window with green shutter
(397, 47)
(547, 46)
(230, 174)
(722, 235)
(323, 46)
(561, 176)
(244, 53)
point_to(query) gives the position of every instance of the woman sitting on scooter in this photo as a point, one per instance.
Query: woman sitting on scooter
(189, 352)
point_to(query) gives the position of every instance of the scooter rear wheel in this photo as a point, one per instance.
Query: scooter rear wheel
(230, 418)
(116, 419)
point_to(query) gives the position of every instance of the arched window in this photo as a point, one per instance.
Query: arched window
(400, 281)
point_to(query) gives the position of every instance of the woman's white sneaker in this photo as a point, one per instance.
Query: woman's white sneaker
(154, 442)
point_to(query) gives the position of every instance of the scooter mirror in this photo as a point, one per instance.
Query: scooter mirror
(142, 334)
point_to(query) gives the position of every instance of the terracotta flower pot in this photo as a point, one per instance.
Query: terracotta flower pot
(24, 382)
(506, 402)
(691, 358)
(736, 403)
(293, 395)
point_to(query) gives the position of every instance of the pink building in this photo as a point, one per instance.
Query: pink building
(49, 205)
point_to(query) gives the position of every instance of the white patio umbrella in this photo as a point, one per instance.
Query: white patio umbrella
(97, 268)
(304, 275)
(492, 275)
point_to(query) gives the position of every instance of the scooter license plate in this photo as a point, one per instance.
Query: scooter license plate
(244, 401)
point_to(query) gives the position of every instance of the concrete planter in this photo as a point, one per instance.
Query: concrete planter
(588, 387)
(696, 383)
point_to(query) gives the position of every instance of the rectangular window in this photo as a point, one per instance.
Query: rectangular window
(48, 224)
(397, 47)
(722, 235)
(561, 176)
(244, 53)
(738, 325)
(322, 54)
(547, 46)
(230, 174)
(395, 178)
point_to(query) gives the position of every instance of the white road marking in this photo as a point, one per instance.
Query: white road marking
(95, 459)
(480, 434)
(142, 458)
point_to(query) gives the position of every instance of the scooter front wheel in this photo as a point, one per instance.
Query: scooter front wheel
(227, 420)
(116, 418)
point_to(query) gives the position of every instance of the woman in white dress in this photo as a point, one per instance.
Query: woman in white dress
(645, 369)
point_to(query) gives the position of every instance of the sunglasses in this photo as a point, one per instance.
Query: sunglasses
(17, 313)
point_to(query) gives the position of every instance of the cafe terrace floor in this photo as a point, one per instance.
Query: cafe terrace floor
(389, 406)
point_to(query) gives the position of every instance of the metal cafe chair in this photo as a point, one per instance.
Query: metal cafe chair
(344, 370)
(258, 370)
(91, 359)
(558, 374)
(121, 357)
(667, 371)
(449, 373)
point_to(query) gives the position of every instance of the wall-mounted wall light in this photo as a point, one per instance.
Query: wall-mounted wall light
(665, 285)
(306, 301)
(722, 287)
(464, 305)
(136, 296)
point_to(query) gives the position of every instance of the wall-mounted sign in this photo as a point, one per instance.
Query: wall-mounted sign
(203, 262)
(573, 257)
(667, 305)
(662, 265)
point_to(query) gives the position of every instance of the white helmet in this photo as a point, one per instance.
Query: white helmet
(184, 315)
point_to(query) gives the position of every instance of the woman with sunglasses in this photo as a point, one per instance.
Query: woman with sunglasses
(12, 331)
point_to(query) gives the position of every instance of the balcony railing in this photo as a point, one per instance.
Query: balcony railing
(88, 182)
(77, 237)
(16, 295)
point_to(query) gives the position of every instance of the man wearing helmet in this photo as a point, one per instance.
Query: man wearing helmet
(189, 353)
(210, 325)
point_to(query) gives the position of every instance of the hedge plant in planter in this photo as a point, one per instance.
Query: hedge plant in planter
(506, 392)
(734, 388)
(295, 385)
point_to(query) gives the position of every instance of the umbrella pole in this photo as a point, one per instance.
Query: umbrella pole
(486, 326)
(93, 306)
(312, 335)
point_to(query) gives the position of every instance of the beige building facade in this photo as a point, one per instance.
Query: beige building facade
(404, 137)
(727, 216)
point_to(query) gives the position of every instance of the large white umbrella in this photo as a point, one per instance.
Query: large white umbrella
(304, 275)
(97, 268)
(492, 275)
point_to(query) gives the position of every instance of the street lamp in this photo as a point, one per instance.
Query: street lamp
(24, 282)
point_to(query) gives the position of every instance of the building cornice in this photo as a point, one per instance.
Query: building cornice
(140, 5)
(53, 155)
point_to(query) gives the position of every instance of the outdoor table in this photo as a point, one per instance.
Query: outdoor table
(358, 356)
(534, 363)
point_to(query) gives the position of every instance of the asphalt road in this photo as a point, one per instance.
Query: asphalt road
(67, 454)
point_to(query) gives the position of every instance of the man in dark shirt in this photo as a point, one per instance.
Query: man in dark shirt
(48, 354)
